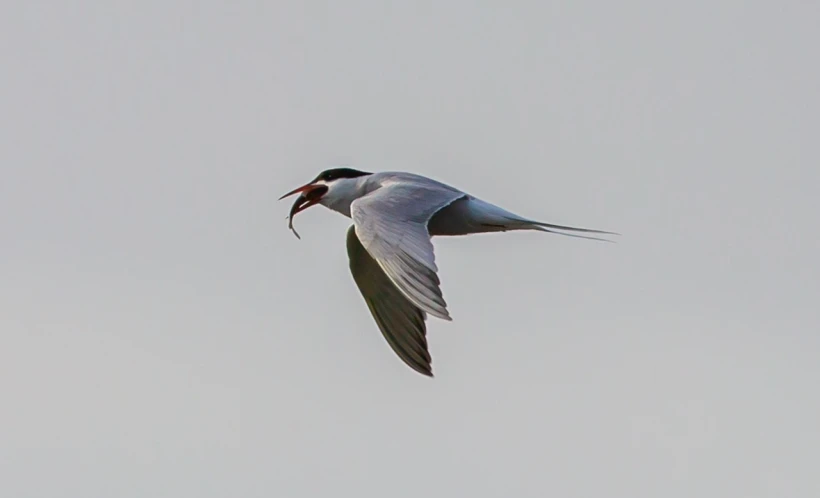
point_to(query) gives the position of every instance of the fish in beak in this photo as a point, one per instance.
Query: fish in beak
(309, 195)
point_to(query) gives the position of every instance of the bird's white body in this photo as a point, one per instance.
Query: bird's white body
(394, 216)
(464, 215)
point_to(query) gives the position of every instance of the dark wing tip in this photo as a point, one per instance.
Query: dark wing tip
(424, 369)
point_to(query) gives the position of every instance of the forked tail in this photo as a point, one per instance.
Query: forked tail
(562, 230)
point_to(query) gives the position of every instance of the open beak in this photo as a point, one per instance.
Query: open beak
(301, 189)
(309, 195)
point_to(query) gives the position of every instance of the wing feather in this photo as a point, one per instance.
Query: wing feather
(400, 321)
(391, 223)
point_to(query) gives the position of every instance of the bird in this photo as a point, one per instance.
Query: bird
(389, 247)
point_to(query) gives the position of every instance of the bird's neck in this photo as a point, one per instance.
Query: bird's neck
(343, 192)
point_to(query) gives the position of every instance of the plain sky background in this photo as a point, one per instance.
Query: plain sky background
(165, 335)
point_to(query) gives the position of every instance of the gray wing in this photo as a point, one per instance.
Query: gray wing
(391, 224)
(401, 322)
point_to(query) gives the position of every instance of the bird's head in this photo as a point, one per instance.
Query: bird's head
(328, 185)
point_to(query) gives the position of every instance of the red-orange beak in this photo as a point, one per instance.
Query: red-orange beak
(310, 194)
(303, 188)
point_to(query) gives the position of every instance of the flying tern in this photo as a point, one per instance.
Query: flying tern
(391, 255)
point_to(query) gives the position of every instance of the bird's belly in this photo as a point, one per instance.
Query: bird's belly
(467, 216)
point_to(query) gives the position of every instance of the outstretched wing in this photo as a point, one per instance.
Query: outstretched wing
(400, 321)
(391, 224)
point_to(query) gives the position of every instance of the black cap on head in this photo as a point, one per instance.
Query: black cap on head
(336, 173)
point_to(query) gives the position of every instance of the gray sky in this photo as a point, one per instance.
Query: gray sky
(164, 335)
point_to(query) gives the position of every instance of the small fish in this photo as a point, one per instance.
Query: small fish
(304, 201)
(293, 210)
